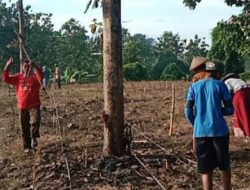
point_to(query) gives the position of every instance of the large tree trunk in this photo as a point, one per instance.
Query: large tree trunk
(21, 32)
(114, 143)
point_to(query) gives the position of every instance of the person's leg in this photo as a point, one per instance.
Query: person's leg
(207, 180)
(35, 118)
(194, 146)
(25, 127)
(223, 159)
(226, 177)
(59, 83)
(206, 161)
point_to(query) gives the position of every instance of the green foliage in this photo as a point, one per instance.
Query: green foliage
(194, 47)
(193, 3)
(72, 75)
(228, 43)
(95, 4)
(138, 48)
(135, 71)
(78, 55)
(161, 63)
(8, 38)
(245, 76)
(172, 49)
(174, 71)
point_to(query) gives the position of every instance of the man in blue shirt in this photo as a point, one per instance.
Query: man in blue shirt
(208, 100)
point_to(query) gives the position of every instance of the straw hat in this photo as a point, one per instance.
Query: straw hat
(196, 62)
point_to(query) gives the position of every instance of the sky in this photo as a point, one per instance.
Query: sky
(149, 17)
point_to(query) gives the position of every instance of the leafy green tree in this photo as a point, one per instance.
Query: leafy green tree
(193, 3)
(231, 39)
(167, 50)
(174, 71)
(138, 48)
(194, 47)
(8, 37)
(72, 48)
(39, 32)
(169, 43)
(135, 72)
(227, 43)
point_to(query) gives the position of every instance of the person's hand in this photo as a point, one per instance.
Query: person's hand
(9, 63)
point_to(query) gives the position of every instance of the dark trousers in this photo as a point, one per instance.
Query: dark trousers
(58, 81)
(30, 124)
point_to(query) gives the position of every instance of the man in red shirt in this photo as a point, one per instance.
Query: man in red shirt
(27, 85)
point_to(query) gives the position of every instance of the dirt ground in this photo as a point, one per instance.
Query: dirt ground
(69, 155)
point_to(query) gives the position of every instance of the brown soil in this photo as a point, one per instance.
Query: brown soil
(69, 155)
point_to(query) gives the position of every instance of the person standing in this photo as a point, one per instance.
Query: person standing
(241, 101)
(58, 76)
(198, 67)
(27, 85)
(46, 82)
(208, 100)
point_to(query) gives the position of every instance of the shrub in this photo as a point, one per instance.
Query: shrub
(245, 76)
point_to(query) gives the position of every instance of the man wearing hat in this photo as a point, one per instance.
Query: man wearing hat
(198, 67)
(208, 100)
(241, 102)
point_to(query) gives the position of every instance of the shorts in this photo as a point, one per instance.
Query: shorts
(212, 152)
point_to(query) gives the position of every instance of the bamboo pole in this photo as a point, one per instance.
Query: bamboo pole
(172, 110)
(21, 33)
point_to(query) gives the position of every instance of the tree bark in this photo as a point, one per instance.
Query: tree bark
(114, 143)
(21, 32)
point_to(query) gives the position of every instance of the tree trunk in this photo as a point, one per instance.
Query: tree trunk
(21, 32)
(114, 143)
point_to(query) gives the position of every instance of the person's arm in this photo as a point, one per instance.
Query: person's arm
(189, 108)
(227, 108)
(189, 111)
(38, 70)
(7, 78)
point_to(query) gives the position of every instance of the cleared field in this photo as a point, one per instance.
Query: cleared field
(70, 147)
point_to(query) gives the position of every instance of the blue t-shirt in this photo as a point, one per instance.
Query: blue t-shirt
(206, 114)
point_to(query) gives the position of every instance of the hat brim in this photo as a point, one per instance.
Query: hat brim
(197, 62)
(230, 75)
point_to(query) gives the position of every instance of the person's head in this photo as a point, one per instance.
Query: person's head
(56, 65)
(198, 64)
(214, 69)
(25, 66)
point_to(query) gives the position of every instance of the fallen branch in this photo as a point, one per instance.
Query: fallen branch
(157, 181)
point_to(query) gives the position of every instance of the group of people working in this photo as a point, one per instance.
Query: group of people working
(211, 97)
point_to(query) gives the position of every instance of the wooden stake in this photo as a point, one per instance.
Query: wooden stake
(21, 33)
(172, 110)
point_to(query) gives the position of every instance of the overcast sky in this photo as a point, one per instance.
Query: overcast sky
(150, 17)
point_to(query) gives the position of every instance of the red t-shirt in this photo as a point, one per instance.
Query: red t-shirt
(27, 88)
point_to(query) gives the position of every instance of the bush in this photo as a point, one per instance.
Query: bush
(245, 76)
(172, 72)
(135, 72)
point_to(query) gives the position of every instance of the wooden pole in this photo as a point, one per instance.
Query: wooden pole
(21, 34)
(172, 110)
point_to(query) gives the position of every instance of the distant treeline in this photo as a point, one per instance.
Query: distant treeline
(79, 55)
